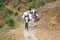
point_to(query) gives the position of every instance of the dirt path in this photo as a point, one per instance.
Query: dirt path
(29, 34)
(22, 34)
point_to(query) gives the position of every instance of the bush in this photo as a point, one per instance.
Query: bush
(8, 12)
(32, 4)
(19, 1)
(29, 0)
(16, 14)
(18, 8)
(1, 6)
(10, 21)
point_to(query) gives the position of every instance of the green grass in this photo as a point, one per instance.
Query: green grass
(16, 14)
(1, 6)
(7, 13)
(32, 4)
(10, 22)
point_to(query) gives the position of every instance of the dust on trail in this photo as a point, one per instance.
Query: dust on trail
(29, 34)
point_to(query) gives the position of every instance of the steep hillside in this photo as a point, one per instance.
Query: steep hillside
(44, 28)
(11, 23)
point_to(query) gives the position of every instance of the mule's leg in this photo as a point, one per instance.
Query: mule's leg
(26, 26)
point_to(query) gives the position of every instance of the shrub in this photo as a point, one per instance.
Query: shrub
(19, 1)
(31, 4)
(8, 12)
(16, 14)
(29, 0)
(1, 6)
(18, 8)
(10, 21)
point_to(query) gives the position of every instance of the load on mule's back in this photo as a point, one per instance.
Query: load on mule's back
(34, 13)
